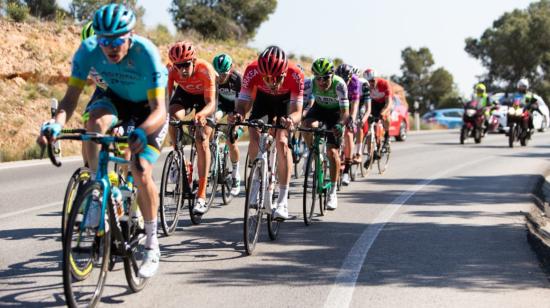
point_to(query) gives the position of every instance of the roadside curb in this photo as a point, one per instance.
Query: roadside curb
(538, 223)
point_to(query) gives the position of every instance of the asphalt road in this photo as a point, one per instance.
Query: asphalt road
(444, 227)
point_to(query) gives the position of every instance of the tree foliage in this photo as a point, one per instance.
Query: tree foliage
(42, 8)
(421, 82)
(222, 19)
(84, 10)
(516, 45)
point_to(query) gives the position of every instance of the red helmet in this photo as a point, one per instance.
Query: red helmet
(273, 61)
(181, 52)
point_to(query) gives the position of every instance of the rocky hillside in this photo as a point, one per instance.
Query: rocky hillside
(35, 63)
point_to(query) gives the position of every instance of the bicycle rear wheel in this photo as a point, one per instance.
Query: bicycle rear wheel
(253, 207)
(86, 253)
(226, 178)
(310, 187)
(135, 237)
(77, 181)
(171, 188)
(383, 158)
(212, 182)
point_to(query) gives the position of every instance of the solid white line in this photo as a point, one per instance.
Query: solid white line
(31, 209)
(341, 293)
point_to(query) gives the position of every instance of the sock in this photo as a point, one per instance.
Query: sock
(358, 148)
(333, 188)
(202, 188)
(283, 194)
(386, 136)
(235, 172)
(151, 242)
(347, 167)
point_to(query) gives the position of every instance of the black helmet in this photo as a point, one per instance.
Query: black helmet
(345, 71)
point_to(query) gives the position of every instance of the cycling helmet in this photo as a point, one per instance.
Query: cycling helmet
(273, 61)
(344, 71)
(87, 30)
(523, 82)
(481, 87)
(322, 67)
(222, 63)
(355, 71)
(181, 52)
(114, 20)
(369, 74)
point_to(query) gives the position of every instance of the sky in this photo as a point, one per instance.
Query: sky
(367, 33)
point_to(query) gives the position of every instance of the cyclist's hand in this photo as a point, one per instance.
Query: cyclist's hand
(200, 120)
(49, 129)
(137, 140)
(234, 117)
(287, 122)
(338, 130)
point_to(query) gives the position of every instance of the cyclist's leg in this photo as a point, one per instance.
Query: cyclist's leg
(310, 121)
(234, 153)
(177, 110)
(103, 114)
(202, 142)
(259, 111)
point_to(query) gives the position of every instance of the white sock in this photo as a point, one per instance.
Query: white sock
(151, 242)
(283, 194)
(358, 148)
(235, 172)
(333, 187)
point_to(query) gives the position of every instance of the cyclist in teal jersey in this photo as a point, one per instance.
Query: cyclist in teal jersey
(331, 106)
(136, 79)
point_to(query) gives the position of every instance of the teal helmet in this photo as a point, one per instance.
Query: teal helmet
(322, 67)
(114, 20)
(222, 63)
(87, 30)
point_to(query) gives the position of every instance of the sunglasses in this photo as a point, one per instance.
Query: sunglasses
(323, 78)
(112, 42)
(273, 79)
(183, 65)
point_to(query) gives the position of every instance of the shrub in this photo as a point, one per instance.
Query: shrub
(17, 12)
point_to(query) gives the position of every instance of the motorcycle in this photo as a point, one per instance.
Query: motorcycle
(494, 120)
(473, 123)
(519, 119)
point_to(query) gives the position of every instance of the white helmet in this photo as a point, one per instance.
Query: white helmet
(523, 82)
(369, 74)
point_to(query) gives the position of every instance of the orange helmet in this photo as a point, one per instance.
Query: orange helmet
(181, 52)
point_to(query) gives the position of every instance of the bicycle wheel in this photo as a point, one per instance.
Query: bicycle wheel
(310, 187)
(212, 182)
(171, 190)
(383, 158)
(226, 178)
(325, 169)
(247, 167)
(253, 207)
(86, 253)
(78, 180)
(135, 237)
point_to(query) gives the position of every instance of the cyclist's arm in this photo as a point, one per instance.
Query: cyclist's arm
(369, 109)
(157, 117)
(354, 109)
(68, 104)
(209, 85)
(388, 105)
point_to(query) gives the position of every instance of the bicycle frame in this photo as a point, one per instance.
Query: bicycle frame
(320, 176)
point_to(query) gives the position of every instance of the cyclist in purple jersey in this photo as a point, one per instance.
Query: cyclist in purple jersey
(354, 95)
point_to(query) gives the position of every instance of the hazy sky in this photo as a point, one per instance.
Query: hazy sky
(368, 33)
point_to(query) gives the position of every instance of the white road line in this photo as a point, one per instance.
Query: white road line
(341, 293)
(31, 209)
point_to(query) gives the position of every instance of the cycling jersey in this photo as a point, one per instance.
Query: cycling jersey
(139, 76)
(229, 92)
(365, 91)
(382, 89)
(336, 96)
(293, 84)
(99, 82)
(202, 81)
(354, 88)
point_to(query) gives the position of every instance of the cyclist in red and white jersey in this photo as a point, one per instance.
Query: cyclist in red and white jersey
(273, 88)
(381, 99)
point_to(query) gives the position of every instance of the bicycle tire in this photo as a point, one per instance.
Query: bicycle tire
(246, 171)
(310, 189)
(78, 179)
(101, 247)
(253, 214)
(273, 225)
(169, 211)
(196, 219)
(383, 158)
(512, 135)
(226, 178)
(212, 182)
(136, 238)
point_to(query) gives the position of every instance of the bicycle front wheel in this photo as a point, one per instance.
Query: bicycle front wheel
(253, 207)
(171, 190)
(86, 251)
(310, 187)
(77, 181)
(226, 178)
(135, 237)
(384, 158)
(212, 182)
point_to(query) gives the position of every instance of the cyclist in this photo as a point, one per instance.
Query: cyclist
(196, 88)
(228, 86)
(382, 100)
(331, 106)
(132, 67)
(345, 71)
(361, 115)
(273, 88)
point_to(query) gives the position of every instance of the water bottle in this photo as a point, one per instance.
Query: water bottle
(116, 198)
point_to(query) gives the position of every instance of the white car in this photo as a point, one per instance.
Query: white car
(540, 122)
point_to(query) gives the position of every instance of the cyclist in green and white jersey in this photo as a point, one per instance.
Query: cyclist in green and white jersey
(331, 106)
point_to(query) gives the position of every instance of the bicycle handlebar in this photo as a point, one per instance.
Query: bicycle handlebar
(252, 123)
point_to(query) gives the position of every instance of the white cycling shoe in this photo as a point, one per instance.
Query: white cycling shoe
(150, 264)
(332, 202)
(345, 179)
(281, 212)
(200, 206)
